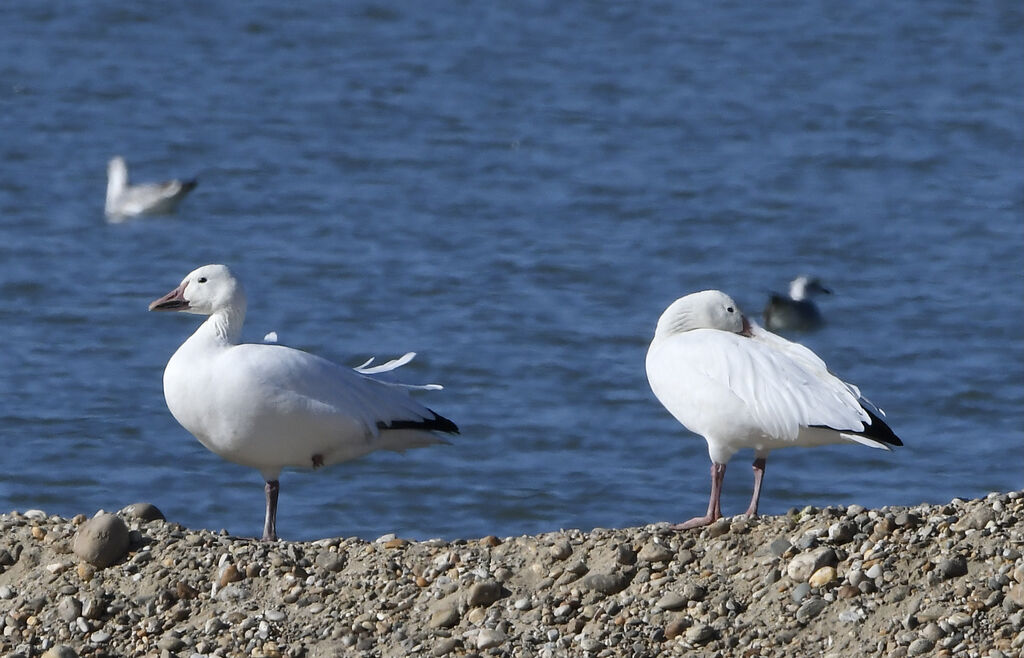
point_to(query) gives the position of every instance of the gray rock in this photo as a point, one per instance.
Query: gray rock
(144, 512)
(671, 601)
(699, 634)
(60, 651)
(330, 561)
(170, 642)
(694, 592)
(907, 519)
(69, 608)
(933, 632)
(719, 527)
(655, 552)
(976, 519)
(803, 565)
(952, 567)
(810, 608)
(102, 540)
(800, 592)
(92, 608)
(779, 547)
(561, 550)
(807, 541)
(842, 531)
(444, 646)
(488, 638)
(606, 583)
(484, 593)
(444, 616)
(625, 554)
(920, 646)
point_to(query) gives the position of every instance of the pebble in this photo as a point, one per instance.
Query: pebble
(170, 642)
(952, 567)
(822, 577)
(69, 609)
(488, 638)
(444, 617)
(484, 593)
(841, 532)
(920, 646)
(803, 565)
(144, 512)
(699, 634)
(719, 527)
(677, 627)
(976, 519)
(606, 583)
(671, 601)
(654, 552)
(810, 609)
(779, 546)
(630, 592)
(60, 651)
(625, 555)
(445, 646)
(330, 561)
(102, 540)
(229, 573)
(561, 550)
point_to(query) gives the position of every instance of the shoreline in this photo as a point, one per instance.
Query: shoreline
(938, 580)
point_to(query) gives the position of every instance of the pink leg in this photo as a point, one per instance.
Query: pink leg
(758, 477)
(270, 522)
(714, 505)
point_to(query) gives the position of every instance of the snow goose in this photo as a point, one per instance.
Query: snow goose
(740, 386)
(268, 406)
(797, 312)
(124, 200)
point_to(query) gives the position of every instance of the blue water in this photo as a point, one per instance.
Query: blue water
(515, 192)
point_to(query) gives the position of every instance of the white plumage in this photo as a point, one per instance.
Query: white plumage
(269, 406)
(740, 386)
(125, 200)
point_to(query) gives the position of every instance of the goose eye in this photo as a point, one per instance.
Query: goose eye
(728, 308)
(202, 279)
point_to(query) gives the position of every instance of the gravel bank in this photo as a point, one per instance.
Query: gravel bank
(937, 580)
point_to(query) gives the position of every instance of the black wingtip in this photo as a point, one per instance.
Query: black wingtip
(876, 430)
(879, 431)
(188, 185)
(436, 424)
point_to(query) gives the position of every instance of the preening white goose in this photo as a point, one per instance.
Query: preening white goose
(741, 386)
(268, 406)
(125, 200)
(796, 312)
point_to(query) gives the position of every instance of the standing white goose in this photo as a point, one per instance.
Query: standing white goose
(125, 200)
(268, 406)
(740, 386)
(797, 312)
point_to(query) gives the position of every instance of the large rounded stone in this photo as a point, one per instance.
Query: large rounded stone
(143, 512)
(102, 540)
